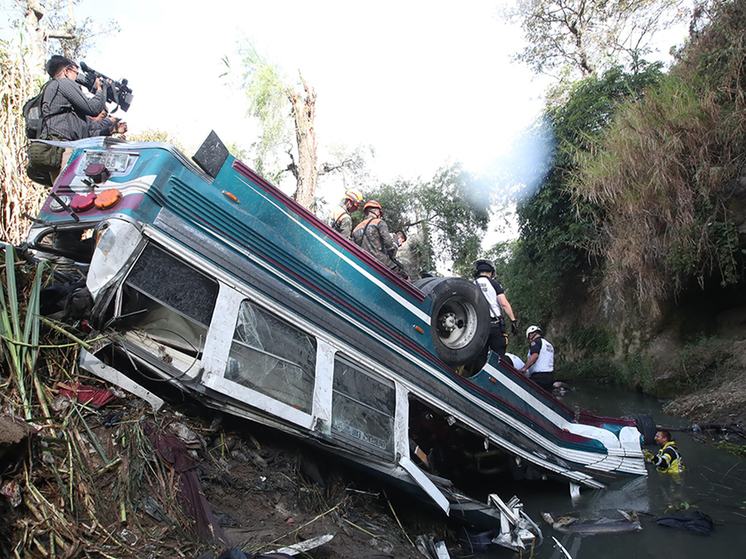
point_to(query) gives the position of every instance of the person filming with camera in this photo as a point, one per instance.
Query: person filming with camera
(65, 108)
(67, 114)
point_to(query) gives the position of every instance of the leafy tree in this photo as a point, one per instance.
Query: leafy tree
(587, 36)
(156, 135)
(271, 100)
(77, 38)
(558, 233)
(42, 20)
(23, 73)
(18, 194)
(532, 284)
(447, 212)
(265, 88)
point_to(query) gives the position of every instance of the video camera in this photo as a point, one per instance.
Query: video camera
(115, 92)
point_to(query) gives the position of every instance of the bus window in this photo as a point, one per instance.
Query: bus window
(272, 357)
(167, 308)
(363, 408)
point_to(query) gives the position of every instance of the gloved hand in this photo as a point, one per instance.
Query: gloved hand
(514, 327)
(648, 455)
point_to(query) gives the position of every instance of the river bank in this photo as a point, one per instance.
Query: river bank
(723, 398)
(704, 382)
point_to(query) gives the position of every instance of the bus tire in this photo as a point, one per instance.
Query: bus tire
(460, 319)
(647, 428)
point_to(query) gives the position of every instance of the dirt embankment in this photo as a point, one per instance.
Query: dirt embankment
(724, 404)
(710, 380)
(166, 484)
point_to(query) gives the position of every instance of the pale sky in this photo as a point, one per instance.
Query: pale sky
(425, 83)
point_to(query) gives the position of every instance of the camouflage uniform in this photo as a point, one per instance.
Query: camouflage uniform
(341, 221)
(372, 235)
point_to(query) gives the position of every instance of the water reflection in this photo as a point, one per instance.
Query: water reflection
(714, 484)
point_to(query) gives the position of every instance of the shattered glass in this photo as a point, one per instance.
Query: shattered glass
(166, 309)
(363, 407)
(176, 285)
(272, 357)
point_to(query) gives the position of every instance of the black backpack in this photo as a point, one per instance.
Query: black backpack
(32, 114)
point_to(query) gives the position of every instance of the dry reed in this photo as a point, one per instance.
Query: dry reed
(664, 176)
(19, 194)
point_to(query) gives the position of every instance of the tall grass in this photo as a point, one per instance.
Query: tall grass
(668, 169)
(20, 341)
(90, 473)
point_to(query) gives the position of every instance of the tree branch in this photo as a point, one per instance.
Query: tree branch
(331, 167)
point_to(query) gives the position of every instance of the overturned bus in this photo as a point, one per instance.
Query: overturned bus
(203, 273)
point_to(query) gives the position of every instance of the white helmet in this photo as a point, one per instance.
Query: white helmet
(531, 329)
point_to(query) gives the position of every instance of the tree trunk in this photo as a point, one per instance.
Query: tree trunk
(36, 56)
(304, 112)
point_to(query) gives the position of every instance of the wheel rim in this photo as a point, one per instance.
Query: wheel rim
(456, 323)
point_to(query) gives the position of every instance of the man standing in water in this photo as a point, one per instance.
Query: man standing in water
(668, 460)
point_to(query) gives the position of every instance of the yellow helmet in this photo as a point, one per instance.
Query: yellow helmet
(354, 196)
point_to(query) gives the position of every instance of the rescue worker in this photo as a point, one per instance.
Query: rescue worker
(341, 219)
(484, 270)
(372, 235)
(668, 460)
(399, 238)
(540, 364)
(514, 360)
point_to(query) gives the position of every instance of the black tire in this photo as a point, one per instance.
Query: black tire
(460, 319)
(646, 425)
(421, 284)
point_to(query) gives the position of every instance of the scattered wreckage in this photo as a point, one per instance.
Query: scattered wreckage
(201, 272)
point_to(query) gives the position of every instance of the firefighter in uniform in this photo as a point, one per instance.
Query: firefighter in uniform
(668, 460)
(341, 220)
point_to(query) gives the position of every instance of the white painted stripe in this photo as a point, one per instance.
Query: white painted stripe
(138, 185)
(609, 440)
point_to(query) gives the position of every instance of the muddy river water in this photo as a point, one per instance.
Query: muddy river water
(714, 484)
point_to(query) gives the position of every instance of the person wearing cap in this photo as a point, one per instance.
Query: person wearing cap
(399, 238)
(372, 235)
(540, 364)
(341, 220)
(484, 271)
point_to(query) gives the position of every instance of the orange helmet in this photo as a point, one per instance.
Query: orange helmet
(372, 204)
